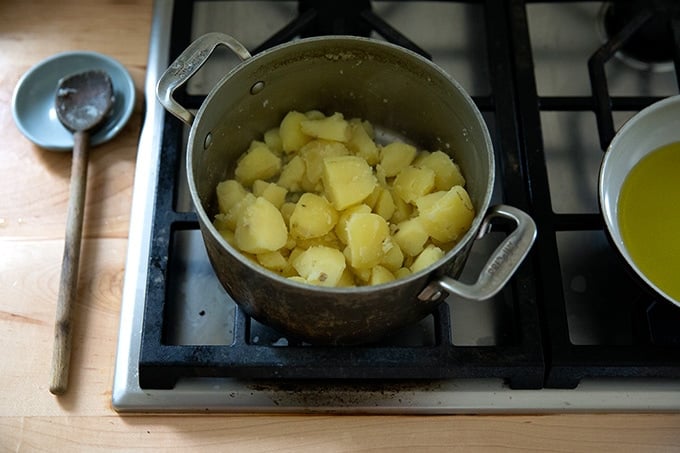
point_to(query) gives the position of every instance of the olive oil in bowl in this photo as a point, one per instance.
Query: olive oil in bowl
(649, 217)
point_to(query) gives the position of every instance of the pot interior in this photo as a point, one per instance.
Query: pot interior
(396, 90)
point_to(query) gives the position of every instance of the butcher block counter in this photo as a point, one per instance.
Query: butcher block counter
(34, 187)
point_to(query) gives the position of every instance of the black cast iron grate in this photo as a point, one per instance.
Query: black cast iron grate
(540, 355)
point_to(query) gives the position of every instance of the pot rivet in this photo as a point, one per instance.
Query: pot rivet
(208, 141)
(257, 87)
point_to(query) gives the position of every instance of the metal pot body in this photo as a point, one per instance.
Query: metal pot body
(399, 92)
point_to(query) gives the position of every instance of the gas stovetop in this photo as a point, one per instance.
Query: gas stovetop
(573, 331)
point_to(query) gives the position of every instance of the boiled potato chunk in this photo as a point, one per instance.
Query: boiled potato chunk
(446, 216)
(314, 115)
(365, 236)
(320, 265)
(334, 127)
(229, 193)
(447, 173)
(430, 255)
(227, 234)
(258, 163)
(411, 236)
(412, 183)
(393, 258)
(292, 174)
(314, 153)
(380, 275)
(346, 280)
(287, 209)
(402, 272)
(274, 261)
(318, 200)
(271, 191)
(395, 157)
(402, 210)
(384, 205)
(361, 143)
(341, 226)
(236, 211)
(312, 217)
(292, 137)
(260, 228)
(347, 180)
(329, 239)
(273, 140)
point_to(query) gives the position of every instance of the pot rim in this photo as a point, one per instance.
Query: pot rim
(469, 236)
(608, 197)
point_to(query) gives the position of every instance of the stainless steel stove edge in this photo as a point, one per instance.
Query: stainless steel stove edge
(464, 396)
(136, 268)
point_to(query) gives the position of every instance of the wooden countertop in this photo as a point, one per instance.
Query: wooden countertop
(34, 190)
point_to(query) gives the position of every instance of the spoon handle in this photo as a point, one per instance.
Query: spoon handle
(68, 284)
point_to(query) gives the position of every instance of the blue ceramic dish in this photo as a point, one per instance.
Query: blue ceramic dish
(34, 96)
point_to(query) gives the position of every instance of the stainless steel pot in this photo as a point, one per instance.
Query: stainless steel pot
(395, 89)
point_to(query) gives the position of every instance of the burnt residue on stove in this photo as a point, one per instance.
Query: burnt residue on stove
(343, 393)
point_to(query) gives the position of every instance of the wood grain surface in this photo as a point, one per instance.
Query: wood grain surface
(34, 186)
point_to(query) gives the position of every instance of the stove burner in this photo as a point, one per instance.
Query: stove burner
(650, 31)
(335, 18)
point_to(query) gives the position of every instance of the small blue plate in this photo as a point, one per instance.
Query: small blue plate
(34, 96)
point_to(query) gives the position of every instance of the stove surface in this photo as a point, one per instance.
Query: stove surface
(595, 317)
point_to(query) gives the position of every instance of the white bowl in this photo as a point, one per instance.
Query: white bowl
(651, 128)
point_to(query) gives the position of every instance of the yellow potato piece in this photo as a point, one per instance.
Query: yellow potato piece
(292, 174)
(347, 180)
(384, 206)
(402, 272)
(379, 275)
(312, 217)
(395, 157)
(292, 137)
(361, 143)
(320, 265)
(411, 236)
(347, 279)
(313, 154)
(430, 255)
(446, 216)
(333, 127)
(235, 212)
(229, 193)
(447, 173)
(260, 228)
(365, 236)
(274, 261)
(393, 258)
(329, 240)
(341, 226)
(287, 209)
(272, 138)
(258, 163)
(271, 191)
(412, 183)
(402, 210)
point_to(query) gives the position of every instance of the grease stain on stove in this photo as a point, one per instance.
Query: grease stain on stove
(342, 394)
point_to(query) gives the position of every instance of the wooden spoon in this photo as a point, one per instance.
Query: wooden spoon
(83, 101)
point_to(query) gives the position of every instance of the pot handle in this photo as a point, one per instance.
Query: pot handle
(186, 65)
(503, 262)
